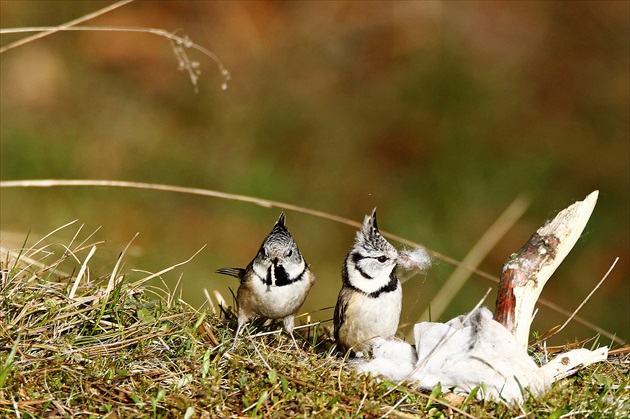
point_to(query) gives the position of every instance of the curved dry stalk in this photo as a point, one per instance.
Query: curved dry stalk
(65, 26)
(588, 297)
(163, 271)
(179, 43)
(47, 183)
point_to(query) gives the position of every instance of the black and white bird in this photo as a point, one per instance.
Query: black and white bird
(370, 299)
(275, 283)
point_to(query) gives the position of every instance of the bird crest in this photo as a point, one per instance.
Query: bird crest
(370, 238)
(279, 238)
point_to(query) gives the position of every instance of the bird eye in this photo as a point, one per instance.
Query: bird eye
(382, 259)
(289, 253)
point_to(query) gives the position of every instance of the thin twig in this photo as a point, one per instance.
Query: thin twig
(177, 40)
(486, 243)
(49, 234)
(395, 406)
(170, 268)
(48, 183)
(65, 26)
(261, 357)
(601, 281)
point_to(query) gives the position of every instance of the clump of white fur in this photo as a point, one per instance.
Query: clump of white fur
(417, 259)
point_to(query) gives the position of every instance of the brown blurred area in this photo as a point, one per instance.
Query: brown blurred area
(438, 113)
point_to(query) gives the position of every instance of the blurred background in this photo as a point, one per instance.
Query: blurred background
(438, 113)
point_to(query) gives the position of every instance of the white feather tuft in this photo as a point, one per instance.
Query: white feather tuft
(417, 259)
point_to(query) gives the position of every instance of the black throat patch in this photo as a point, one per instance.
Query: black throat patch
(281, 275)
(392, 285)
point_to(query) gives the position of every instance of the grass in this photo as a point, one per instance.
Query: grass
(121, 348)
(79, 341)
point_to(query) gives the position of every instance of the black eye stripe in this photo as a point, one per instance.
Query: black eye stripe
(357, 257)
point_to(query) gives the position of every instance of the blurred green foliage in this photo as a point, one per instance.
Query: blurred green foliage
(437, 113)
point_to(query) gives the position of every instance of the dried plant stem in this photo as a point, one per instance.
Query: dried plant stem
(590, 294)
(582, 321)
(112, 277)
(177, 40)
(49, 31)
(82, 271)
(479, 251)
(47, 183)
(163, 271)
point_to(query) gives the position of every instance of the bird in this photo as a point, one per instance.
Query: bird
(370, 299)
(274, 284)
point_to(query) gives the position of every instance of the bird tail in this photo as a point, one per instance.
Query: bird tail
(235, 272)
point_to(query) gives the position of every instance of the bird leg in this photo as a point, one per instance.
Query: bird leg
(288, 326)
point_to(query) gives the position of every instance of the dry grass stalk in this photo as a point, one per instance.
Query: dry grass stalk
(474, 257)
(47, 183)
(136, 352)
(100, 347)
(179, 44)
(65, 26)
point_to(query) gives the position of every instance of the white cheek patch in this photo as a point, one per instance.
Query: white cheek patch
(294, 269)
(364, 268)
(380, 277)
(261, 271)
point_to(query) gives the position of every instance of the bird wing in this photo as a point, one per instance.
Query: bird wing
(340, 311)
